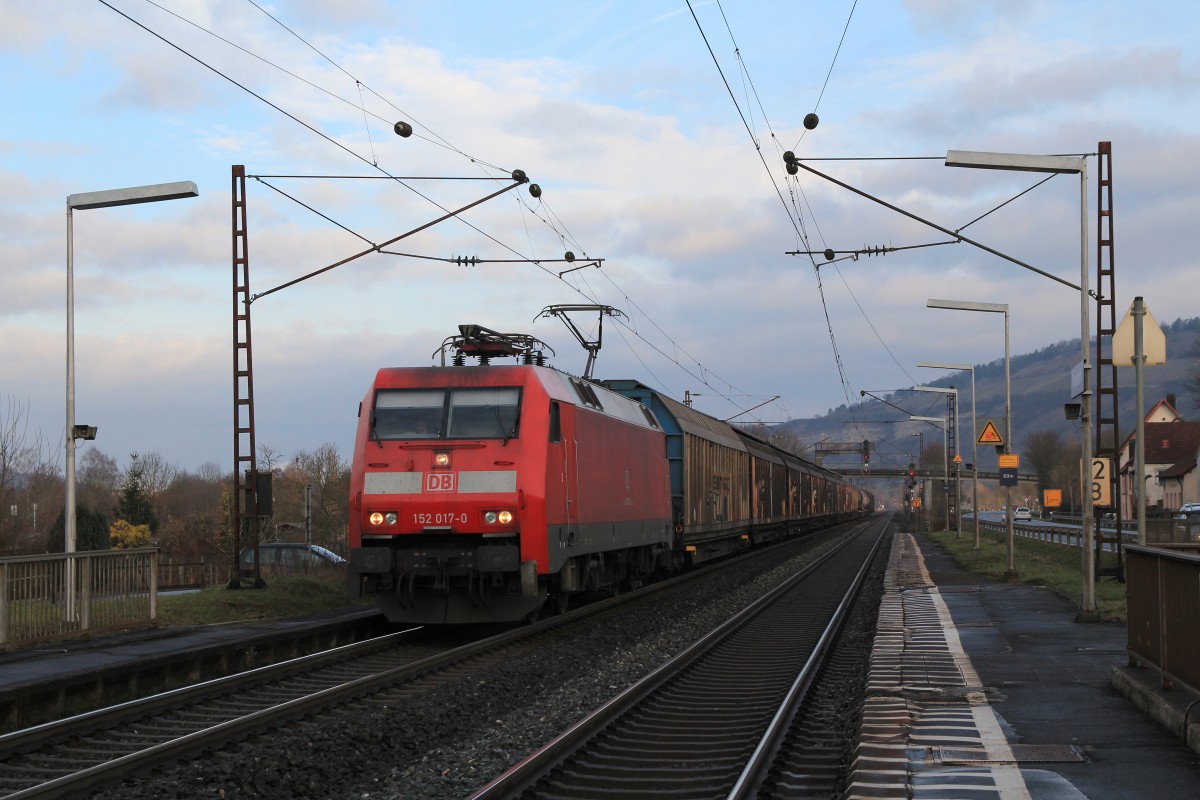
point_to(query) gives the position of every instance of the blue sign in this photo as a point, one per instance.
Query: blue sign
(1008, 476)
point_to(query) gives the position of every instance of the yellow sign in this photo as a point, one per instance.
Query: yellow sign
(990, 435)
(1052, 498)
(1008, 460)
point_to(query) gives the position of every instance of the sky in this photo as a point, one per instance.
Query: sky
(655, 132)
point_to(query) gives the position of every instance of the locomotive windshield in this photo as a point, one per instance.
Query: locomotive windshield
(475, 413)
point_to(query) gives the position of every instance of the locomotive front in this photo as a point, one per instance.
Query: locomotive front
(442, 487)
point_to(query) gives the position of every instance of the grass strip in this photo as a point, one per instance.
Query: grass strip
(1055, 566)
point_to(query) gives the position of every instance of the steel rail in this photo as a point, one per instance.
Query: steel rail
(213, 737)
(522, 777)
(760, 761)
(26, 739)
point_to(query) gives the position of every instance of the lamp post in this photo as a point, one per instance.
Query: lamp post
(945, 466)
(974, 443)
(952, 416)
(84, 201)
(921, 463)
(1069, 165)
(995, 308)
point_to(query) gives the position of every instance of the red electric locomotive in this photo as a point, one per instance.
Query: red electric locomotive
(477, 493)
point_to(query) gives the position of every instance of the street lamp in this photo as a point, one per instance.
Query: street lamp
(953, 412)
(921, 462)
(84, 201)
(945, 464)
(1063, 165)
(974, 443)
(995, 308)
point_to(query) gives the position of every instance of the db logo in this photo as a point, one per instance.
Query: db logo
(439, 481)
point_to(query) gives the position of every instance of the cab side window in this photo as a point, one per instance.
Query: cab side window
(555, 422)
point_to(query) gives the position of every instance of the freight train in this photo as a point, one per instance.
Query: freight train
(482, 493)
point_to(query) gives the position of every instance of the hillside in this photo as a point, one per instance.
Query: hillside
(1040, 386)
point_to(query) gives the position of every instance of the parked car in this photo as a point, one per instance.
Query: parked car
(290, 558)
(1187, 524)
(1022, 513)
(1189, 507)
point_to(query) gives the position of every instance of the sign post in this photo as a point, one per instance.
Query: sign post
(1101, 482)
(989, 435)
(1134, 342)
(1009, 465)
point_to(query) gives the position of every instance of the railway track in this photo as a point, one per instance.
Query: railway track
(710, 722)
(71, 756)
(92, 751)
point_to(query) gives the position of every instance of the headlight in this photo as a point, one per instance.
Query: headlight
(376, 518)
(505, 517)
(390, 518)
(441, 459)
(489, 517)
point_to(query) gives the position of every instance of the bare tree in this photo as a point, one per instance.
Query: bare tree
(45, 493)
(98, 478)
(329, 476)
(194, 515)
(22, 456)
(211, 472)
(268, 457)
(785, 439)
(1047, 452)
(157, 474)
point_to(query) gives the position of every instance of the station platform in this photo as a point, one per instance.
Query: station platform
(48, 681)
(982, 689)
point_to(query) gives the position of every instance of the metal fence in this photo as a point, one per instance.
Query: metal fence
(1066, 530)
(176, 575)
(1163, 587)
(59, 596)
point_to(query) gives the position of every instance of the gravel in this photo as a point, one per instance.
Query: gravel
(452, 741)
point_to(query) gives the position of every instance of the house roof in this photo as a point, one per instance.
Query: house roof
(1169, 442)
(1179, 469)
(1166, 405)
(1173, 443)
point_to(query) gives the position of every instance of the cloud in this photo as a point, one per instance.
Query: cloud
(618, 113)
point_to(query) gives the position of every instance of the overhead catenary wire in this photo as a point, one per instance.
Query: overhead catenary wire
(551, 220)
(794, 218)
(832, 64)
(562, 236)
(254, 94)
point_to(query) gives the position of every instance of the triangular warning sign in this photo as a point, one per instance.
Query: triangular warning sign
(990, 435)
